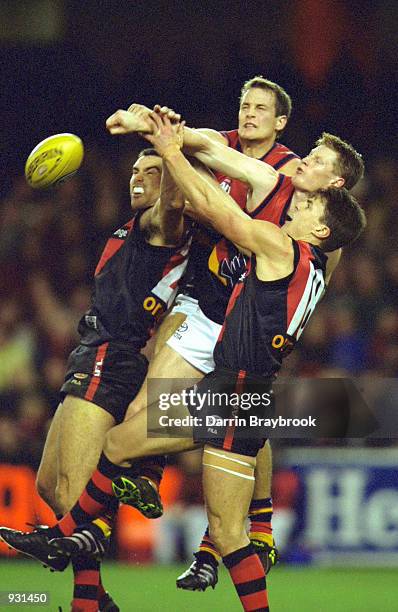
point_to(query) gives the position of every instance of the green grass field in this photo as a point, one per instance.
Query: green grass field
(152, 589)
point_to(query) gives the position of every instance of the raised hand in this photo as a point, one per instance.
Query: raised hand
(165, 134)
(169, 112)
(135, 119)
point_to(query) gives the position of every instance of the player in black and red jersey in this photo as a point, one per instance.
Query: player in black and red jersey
(135, 282)
(273, 300)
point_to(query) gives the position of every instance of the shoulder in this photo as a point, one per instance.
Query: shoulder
(231, 137)
(280, 157)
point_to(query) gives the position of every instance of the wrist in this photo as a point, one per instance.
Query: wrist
(171, 150)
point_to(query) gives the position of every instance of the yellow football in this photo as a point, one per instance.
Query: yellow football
(54, 159)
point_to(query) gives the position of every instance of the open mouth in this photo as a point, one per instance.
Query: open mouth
(138, 190)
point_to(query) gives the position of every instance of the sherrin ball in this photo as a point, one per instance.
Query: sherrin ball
(53, 160)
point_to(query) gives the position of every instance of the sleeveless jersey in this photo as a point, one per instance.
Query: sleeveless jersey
(135, 283)
(277, 157)
(219, 264)
(265, 319)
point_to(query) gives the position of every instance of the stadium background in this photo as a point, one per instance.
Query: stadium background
(65, 67)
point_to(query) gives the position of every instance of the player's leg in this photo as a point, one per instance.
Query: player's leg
(176, 365)
(168, 327)
(78, 421)
(228, 482)
(260, 514)
(81, 429)
(47, 474)
(80, 441)
(260, 511)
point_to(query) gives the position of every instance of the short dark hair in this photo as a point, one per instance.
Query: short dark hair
(343, 216)
(147, 152)
(283, 102)
(350, 163)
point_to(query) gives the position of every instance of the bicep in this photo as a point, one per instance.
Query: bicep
(260, 237)
(236, 164)
(213, 135)
(290, 168)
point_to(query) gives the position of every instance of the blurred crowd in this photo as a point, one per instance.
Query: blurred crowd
(50, 242)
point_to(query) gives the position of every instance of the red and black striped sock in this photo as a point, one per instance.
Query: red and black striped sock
(86, 575)
(207, 550)
(151, 468)
(95, 501)
(248, 576)
(260, 515)
(101, 593)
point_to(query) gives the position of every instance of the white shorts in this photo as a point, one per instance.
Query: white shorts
(196, 338)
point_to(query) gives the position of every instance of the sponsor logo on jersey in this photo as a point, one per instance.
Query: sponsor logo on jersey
(283, 343)
(121, 233)
(80, 375)
(98, 367)
(153, 305)
(183, 328)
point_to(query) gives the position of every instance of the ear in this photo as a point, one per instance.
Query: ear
(280, 123)
(321, 232)
(338, 182)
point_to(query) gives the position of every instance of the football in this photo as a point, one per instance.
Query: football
(53, 160)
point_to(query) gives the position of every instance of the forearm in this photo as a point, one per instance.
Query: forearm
(171, 208)
(206, 200)
(232, 163)
(171, 197)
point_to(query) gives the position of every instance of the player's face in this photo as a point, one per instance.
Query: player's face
(257, 115)
(145, 181)
(317, 170)
(305, 217)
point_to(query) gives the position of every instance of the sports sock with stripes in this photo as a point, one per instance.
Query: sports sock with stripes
(206, 548)
(151, 468)
(96, 500)
(86, 575)
(248, 576)
(260, 515)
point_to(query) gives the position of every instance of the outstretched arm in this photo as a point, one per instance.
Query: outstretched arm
(260, 177)
(211, 202)
(136, 119)
(165, 220)
(208, 146)
(169, 210)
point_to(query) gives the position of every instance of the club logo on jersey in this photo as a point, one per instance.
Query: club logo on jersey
(235, 269)
(121, 233)
(91, 321)
(226, 185)
(227, 263)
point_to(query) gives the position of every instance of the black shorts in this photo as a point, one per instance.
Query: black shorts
(234, 411)
(109, 375)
